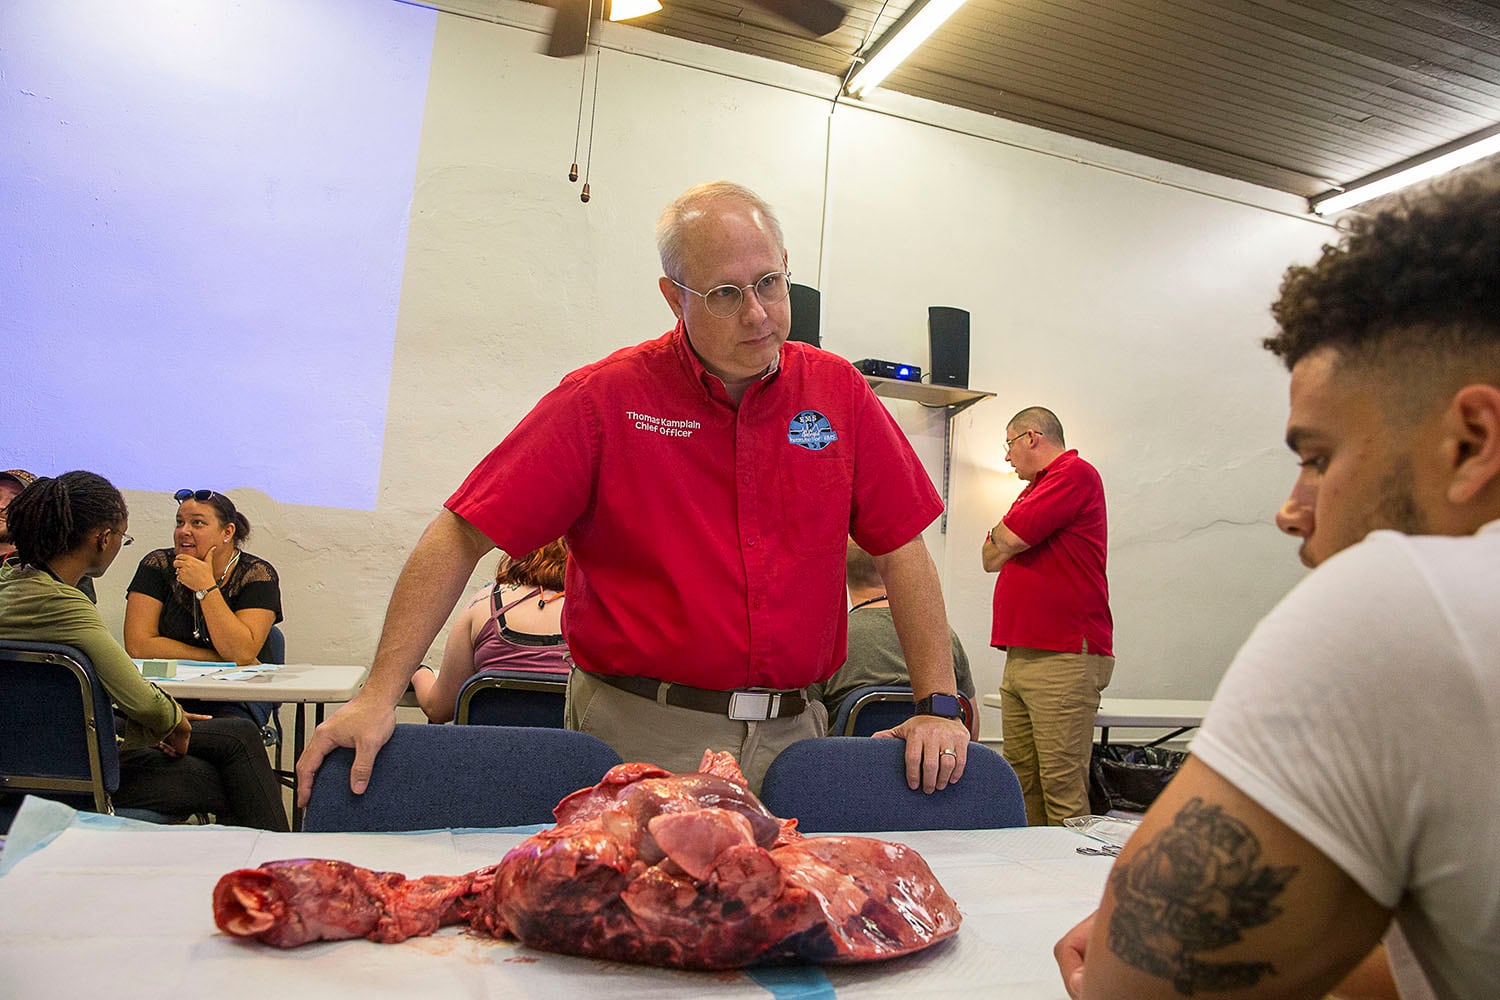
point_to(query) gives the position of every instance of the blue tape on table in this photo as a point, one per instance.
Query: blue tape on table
(794, 982)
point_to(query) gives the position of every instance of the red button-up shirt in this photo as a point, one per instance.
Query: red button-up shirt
(1055, 594)
(707, 540)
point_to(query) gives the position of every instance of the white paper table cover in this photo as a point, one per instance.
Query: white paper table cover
(115, 908)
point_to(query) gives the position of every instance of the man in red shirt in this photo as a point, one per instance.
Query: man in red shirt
(706, 482)
(1051, 616)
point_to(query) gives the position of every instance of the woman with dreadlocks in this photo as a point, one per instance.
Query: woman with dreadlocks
(70, 528)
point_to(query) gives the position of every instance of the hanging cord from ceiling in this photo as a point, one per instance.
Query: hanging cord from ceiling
(588, 162)
(828, 137)
(582, 87)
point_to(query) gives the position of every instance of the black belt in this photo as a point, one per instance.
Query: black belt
(748, 705)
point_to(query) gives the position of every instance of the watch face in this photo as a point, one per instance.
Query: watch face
(945, 704)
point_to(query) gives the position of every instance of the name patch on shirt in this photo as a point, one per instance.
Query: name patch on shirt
(811, 430)
(663, 426)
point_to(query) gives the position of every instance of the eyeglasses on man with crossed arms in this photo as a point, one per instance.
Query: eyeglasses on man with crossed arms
(725, 301)
(1011, 442)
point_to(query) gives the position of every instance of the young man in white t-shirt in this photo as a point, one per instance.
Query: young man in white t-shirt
(1344, 782)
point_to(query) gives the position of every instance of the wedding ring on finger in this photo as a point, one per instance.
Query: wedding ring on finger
(951, 753)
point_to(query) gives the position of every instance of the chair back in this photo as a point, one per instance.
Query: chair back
(57, 726)
(451, 777)
(275, 647)
(868, 710)
(854, 785)
(512, 698)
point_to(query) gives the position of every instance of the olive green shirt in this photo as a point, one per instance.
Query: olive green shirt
(875, 657)
(35, 607)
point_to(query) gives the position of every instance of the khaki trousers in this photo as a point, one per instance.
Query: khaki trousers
(1047, 705)
(640, 729)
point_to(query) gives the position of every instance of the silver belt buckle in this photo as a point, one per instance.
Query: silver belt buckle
(754, 706)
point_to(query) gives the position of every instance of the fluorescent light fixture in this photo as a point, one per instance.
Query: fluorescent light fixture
(911, 30)
(624, 10)
(1419, 168)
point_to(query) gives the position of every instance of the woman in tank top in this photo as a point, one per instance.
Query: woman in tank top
(513, 625)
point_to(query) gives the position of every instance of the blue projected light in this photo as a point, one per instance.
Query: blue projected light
(203, 217)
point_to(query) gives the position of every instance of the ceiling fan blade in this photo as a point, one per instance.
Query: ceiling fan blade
(817, 16)
(570, 28)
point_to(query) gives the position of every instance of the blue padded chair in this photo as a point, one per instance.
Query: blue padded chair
(868, 710)
(512, 698)
(851, 784)
(450, 777)
(270, 727)
(57, 732)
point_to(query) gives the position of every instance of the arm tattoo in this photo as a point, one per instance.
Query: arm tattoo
(1193, 889)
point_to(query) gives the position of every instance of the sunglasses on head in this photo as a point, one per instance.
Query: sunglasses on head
(203, 497)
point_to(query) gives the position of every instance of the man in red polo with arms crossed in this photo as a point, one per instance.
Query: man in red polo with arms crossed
(1051, 616)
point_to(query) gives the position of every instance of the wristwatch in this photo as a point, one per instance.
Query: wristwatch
(201, 594)
(943, 705)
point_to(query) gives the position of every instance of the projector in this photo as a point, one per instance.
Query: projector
(889, 369)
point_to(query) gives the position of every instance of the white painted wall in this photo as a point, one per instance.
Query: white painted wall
(1127, 295)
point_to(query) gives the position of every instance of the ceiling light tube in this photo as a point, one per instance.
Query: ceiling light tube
(919, 21)
(624, 10)
(1419, 168)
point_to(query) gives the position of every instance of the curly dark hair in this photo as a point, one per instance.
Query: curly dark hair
(1414, 284)
(544, 567)
(52, 517)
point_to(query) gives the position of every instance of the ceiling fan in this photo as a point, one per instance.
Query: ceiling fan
(570, 28)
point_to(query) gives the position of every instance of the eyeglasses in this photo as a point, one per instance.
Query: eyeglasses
(1010, 442)
(126, 539)
(725, 301)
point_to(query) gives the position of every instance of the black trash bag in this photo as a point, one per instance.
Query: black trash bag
(1129, 778)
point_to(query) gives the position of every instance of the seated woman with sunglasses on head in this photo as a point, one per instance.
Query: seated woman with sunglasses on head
(513, 624)
(69, 529)
(205, 598)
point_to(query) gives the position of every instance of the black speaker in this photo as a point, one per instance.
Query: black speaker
(948, 337)
(805, 313)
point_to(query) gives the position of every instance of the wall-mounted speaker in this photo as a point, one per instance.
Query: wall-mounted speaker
(805, 314)
(948, 338)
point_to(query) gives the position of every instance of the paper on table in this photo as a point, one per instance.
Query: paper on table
(245, 673)
(1020, 890)
(194, 670)
(1105, 829)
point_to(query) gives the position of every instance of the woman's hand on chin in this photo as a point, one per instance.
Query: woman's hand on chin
(194, 573)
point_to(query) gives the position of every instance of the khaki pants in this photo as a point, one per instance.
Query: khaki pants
(1047, 705)
(674, 738)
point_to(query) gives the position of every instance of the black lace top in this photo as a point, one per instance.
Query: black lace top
(252, 583)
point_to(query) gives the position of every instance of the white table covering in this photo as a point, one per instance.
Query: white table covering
(119, 909)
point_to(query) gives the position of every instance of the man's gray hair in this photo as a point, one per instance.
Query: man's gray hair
(688, 207)
(1041, 420)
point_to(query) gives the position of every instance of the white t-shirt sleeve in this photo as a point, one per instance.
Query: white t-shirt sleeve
(1324, 717)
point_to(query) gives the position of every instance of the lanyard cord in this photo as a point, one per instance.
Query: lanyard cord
(861, 604)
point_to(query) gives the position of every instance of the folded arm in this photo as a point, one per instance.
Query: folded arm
(1000, 546)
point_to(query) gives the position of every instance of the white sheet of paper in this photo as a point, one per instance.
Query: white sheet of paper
(85, 913)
